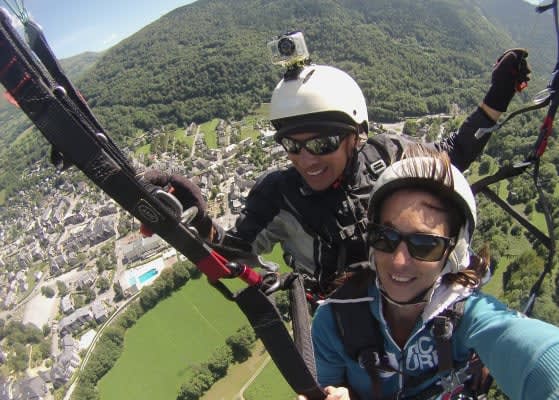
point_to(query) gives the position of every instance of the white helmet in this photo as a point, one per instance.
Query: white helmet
(426, 173)
(319, 98)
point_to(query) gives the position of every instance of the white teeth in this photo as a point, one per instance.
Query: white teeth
(314, 173)
(400, 278)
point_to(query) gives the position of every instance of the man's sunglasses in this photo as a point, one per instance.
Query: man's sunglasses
(421, 246)
(317, 146)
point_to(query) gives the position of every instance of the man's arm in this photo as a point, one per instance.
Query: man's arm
(510, 75)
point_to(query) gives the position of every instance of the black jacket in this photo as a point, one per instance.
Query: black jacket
(323, 233)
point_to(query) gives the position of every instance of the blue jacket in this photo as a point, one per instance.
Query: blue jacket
(521, 353)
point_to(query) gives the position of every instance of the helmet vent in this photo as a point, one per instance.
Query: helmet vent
(308, 76)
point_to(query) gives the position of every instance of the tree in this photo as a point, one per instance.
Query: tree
(241, 343)
(410, 127)
(164, 284)
(282, 303)
(148, 298)
(119, 294)
(62, 288)
(103, 284)
(130, 315)
(189, 392)
(19, 360)
(46, 330)
(519, 278)
(181, 273)
(219, 361)
(47, 291)
(89, 295)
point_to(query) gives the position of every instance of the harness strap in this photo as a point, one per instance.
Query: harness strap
(78, 139)
(270, 328)
(363, 341)
(360, 331)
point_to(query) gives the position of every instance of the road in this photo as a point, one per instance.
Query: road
(241, 396)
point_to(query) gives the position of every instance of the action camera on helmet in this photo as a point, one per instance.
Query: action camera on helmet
(289, 48)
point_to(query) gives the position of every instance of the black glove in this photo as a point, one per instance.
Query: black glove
(187, 193)
(510, 75)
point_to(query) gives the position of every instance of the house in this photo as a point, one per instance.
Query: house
(36, 252)
(30, 389)
(100, 312)
(67, 304)
(108, 209)
(68, 343)
(74, 219)
(86, 339)
(66, 363)
(76, 320)
(134, 250)
(87, 279)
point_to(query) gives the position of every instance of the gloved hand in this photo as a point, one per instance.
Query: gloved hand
(510, 75)
(187, 193)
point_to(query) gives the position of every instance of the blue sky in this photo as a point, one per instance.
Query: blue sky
(74, 26)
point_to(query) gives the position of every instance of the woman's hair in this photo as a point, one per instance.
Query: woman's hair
(473, 275)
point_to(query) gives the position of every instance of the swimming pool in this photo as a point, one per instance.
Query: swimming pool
(146, 276)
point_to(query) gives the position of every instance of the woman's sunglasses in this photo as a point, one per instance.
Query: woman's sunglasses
(421, 246)
(317, 146)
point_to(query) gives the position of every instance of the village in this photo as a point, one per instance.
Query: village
(61, 262)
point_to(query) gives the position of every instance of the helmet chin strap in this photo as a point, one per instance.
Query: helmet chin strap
(422, 298)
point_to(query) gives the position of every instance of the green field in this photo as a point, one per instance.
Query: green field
(269, 385)
(208, 130)
(180, 331)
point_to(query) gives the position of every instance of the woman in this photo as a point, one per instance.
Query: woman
(422, 273)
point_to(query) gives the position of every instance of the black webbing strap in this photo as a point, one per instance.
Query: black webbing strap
(301, 322)
(77, 137)
(359, 330)
(269, 327)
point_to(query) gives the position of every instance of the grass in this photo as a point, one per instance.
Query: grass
(145, 149)
(208, 129)
(180, 331)
(269, 385)
(247, 128)
(237, 375)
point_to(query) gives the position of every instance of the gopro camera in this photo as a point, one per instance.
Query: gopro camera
(289, 48)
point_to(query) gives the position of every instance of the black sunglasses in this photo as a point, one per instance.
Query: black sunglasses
(317, 146)
(421, 246)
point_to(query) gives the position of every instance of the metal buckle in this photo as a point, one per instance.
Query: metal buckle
(377, 167)
(453, 384)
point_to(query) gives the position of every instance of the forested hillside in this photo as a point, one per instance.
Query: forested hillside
(209, 59)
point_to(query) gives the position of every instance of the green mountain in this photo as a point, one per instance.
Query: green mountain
(209, 59)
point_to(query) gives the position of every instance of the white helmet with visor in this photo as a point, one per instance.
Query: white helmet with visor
(320, 99)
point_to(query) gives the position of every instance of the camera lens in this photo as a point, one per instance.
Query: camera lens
(286, 46)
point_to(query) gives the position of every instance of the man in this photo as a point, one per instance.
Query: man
(316, 209)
